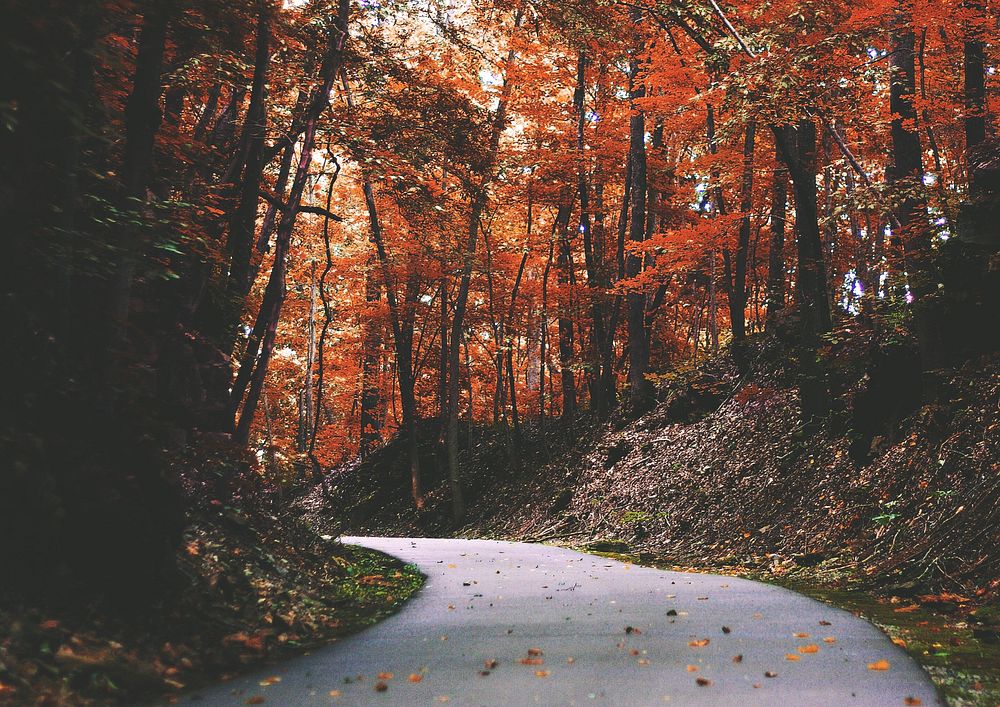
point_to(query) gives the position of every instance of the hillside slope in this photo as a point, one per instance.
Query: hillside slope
(721, 472)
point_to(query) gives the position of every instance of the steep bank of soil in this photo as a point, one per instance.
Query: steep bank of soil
(903, 492)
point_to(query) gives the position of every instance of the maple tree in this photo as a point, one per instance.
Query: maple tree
(303, 227)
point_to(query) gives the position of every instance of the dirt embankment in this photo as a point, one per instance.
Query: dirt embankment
(893, 488)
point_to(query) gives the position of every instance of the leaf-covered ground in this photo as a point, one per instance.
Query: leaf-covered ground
(892, 494)
(250, 589)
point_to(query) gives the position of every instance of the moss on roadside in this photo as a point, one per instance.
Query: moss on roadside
(250, 589)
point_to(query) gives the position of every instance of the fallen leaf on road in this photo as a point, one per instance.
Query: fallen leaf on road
(770, 674)
(801, 635)
(811, 648)
(704, 682)
(899, 642)
(912, 701)
(699, 644)
(541, 673)
(692, 668)
(535, 651)
(381, 687)
(571, 660)
(270, 681)
(334, 693)
(824, 622)
(491, 663)
(415, 677)
(385, 676)
(726, 629)
(532, 661)
(255, 700)
(879, 665)
(738, 658)
(791, 656)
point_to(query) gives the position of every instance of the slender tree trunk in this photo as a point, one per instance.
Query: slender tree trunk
(776, 254)
(403, 336)
(640, 388)
(371, 392)
(543, 336)
(906, 171)
(738, 290)
(974, 69)
(566, 341)
(307, 407)
(599, 393)
(242, 225)
(443, 359)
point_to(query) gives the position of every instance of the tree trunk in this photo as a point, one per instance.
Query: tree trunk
(906, 171)
(142, 122)
(640, 388)
(307, 407)
(371, 392)
(600, 396)
(738, 289)
(566, 342)
(798, 147)
(244, 218)
(776, 254)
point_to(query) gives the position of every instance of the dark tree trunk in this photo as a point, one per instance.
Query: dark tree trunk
(975, 78)
(776, 255)
(371, 393)
(738, 289)
(600, 396)
(244, 218)
(906, 171)
(798, 149)
(142, 122)
(443, 358)
(640, 388)
(566, 340)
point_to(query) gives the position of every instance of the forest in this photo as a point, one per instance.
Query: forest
(388, 261)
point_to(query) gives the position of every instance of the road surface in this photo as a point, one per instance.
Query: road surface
(517, 624)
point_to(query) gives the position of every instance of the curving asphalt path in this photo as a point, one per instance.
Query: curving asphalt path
(566, 628)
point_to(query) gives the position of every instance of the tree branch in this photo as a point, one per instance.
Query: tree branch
(303, 208)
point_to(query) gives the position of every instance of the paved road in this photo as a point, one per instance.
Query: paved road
(515, 624)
